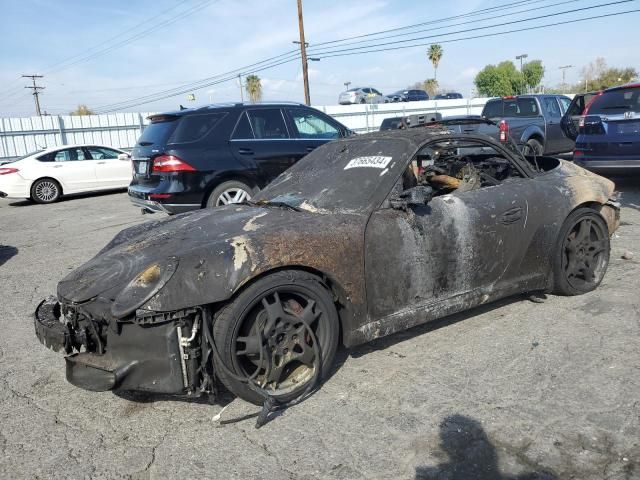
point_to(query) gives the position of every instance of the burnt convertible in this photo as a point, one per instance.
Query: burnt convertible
(362, 238)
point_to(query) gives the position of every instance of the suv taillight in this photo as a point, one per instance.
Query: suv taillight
(504, 131)
(170, 163)
(7, 171)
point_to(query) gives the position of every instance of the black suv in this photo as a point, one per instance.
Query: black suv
(220, 154)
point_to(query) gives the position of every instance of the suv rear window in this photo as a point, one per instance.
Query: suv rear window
(194, 127)
(158, 131)
(617, 102)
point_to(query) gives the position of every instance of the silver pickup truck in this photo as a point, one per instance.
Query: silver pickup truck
(531, 120)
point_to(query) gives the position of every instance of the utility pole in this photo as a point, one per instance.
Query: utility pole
(564, 71)
(303, 52)
(36, 92)
(240, 84)
(521, 58)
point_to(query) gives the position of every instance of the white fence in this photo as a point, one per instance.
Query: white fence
(19, 136)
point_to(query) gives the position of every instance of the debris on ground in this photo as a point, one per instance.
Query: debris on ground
(627, 255)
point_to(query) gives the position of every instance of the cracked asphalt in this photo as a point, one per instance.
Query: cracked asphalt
(511, 390)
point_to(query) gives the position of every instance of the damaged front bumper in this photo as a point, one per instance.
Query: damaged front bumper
(611, 214)
(145, 354)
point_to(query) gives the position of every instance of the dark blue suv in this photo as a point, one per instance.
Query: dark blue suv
(609, 132)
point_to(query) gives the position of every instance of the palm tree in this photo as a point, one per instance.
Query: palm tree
(254, 88)
(435, 54)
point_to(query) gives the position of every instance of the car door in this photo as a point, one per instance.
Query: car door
(111, 171)
(261, 138)
(72, 167)
(459, 250)
(555, 138)
(311, 129)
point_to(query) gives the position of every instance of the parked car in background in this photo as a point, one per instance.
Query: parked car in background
(361, 95)
(448, 96)
(408, 96)
(609, 132)
(395, 123)
(533, 120)
(221, 154)
(571, 119)
(46, 175)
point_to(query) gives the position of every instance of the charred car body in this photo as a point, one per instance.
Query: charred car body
(362, 238)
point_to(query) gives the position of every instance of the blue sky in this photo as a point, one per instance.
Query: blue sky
(226, 34)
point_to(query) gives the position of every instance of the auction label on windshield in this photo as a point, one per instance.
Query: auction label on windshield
(373, 162)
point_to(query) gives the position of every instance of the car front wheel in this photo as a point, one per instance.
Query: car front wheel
(281, 333)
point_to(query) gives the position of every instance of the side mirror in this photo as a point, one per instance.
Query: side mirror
(416, 196)
(124, 156)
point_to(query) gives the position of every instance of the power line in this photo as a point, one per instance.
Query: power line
(197, 85)
(216, 82)
(492, 17)
(494, 34)
(349, 52)
(439, 20)
(205, 82)
(539, 17)
(69, 61)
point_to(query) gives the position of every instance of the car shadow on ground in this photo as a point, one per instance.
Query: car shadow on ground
(6, 252)
(470, 454)
(28, 202)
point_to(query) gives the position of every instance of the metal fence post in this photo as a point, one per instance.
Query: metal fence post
(63, 137)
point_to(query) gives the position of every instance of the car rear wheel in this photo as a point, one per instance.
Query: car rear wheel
(281, 332)
(533, 147)
(229, 192)
(582, 253)
(45, 190)
(363, 100)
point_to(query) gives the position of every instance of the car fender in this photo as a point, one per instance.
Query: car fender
(533, 131)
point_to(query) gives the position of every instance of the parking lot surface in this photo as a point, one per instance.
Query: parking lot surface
(511, 390)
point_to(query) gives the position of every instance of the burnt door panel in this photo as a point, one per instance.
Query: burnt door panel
(457, 251)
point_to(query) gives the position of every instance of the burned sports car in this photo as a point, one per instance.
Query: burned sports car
(362, 238)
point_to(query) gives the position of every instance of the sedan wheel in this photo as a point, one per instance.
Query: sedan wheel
(280, 333)
(45, 191)
(584, 253)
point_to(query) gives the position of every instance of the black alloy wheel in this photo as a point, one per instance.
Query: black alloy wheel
(583, 256)
(281, 333)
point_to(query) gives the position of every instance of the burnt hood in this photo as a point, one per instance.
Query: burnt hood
(154, 251)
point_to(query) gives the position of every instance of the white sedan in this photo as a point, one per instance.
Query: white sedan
(46, 175)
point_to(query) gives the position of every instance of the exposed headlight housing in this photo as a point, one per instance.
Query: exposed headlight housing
(144, 286)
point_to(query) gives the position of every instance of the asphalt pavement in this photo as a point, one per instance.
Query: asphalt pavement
(510, 390)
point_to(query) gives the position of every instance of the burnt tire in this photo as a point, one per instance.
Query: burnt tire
(46, 190)
(533, 147)
(300, 295)
(582, 253)
(232, 191)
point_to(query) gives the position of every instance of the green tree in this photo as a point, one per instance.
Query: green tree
(430, 85)
(533, 72)
(498, 80)
(434, 54)
(597, 76)
(82, 110)
(254, 88)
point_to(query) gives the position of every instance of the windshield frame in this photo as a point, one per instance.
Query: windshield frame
(274, 192)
